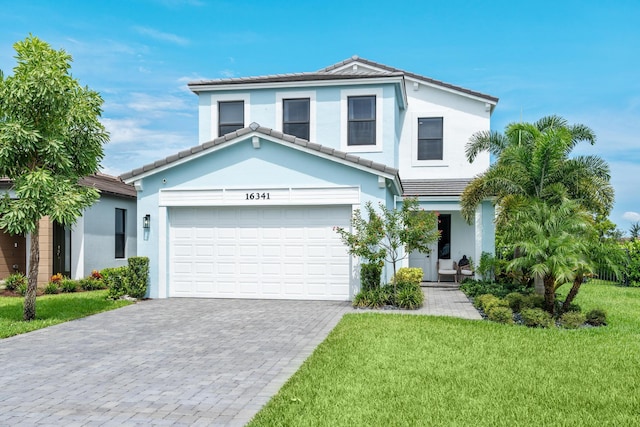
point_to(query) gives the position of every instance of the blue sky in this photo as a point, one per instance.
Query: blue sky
(578, 59)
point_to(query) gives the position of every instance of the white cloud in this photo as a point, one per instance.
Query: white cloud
(162, 36)
(157, 105)
(631, 216)
(134, 143)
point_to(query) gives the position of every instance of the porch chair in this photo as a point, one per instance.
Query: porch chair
(447, 267)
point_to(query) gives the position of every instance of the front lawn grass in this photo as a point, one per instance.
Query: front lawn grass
(383, 369)
(52, 309)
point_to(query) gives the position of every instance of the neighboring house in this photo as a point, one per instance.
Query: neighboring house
(104, 236)
(284, 159)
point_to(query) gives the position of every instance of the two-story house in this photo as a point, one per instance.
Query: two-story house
(283, 159)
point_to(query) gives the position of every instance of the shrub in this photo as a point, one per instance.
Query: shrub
(14, 281)
(596, 317)
(116, 280)
(90, 284)
(51, 288)
(373, 298)
(488, 301)
(532, 301)
(57, 278)
(409, 295)
(22, 289)
(138, 276)
(536, 318)
(515, 300)
(409, 275)
(572, 319)
(370, 275)
(501, 315)
(96, 275)
(68, 285)
(473, 288)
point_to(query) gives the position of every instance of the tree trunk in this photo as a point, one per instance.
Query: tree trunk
(577, 282)
(549, 295)
(32, 287)
(538, 285)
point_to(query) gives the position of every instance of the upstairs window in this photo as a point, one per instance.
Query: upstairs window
(230, 116)
(295, 117)
(430, 138)
(120, 235)
(362, 120)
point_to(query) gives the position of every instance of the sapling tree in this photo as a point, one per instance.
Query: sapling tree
(391, 234)
(50, 136)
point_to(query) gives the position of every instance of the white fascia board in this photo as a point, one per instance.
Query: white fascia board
(296, 84)
(450, 90)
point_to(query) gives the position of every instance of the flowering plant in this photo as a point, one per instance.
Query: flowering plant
(56, 278)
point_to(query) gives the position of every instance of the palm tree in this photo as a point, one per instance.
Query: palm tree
(634, 231)
(533, 162)
(553, 242)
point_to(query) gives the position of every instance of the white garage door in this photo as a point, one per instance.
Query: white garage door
(270, 252)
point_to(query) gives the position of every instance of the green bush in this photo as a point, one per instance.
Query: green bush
(409, 275)
(51, 288)
(536, 318)
(69, 285)
(115, 279)
(515, 300)
(22, 289)
(632, 247)
(14, 281)
(373, 298)
(409, 295)
(370, 275)
(138, 276)
(473, 288)
(488, 301)
(596, 317)
(500, 315)
(532, 301)
(89, 284)
(572, 320)
(480, 301)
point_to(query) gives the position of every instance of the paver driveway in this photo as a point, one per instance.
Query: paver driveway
(162, 362)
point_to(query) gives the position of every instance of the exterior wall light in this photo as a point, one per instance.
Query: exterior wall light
(146, 221)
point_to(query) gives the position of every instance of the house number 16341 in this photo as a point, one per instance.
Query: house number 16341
(257, 196)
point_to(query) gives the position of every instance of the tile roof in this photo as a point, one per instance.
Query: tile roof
(434, 187)
(333, 68)
(103, 182)
(255, 127)
(109, 184)
(333, 72)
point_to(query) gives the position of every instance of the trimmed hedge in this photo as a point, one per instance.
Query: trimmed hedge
(138, 276)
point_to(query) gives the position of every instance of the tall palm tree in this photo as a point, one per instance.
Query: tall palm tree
(533, 161)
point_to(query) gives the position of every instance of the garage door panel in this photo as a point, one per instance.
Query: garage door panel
(269, 252)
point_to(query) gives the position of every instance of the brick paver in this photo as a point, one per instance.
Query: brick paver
(161, 362)
(173, 361)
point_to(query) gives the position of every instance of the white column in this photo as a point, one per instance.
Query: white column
(162, 252)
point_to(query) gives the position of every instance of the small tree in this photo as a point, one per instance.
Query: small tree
(391, 234)
(50, 137)
(634, 231)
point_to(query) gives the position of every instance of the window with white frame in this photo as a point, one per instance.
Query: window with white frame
(430, 146)
(361, 125)
(230, 116)
(296, 117)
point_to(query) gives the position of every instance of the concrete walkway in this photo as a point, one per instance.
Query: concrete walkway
(173, 361)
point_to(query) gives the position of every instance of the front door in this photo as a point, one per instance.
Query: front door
(61, 249)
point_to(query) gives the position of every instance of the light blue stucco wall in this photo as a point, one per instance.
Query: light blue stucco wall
(328, 118)
(242, 166)
(99, 233)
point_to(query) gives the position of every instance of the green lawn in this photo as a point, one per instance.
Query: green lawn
(390, 370)
(52, 309)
